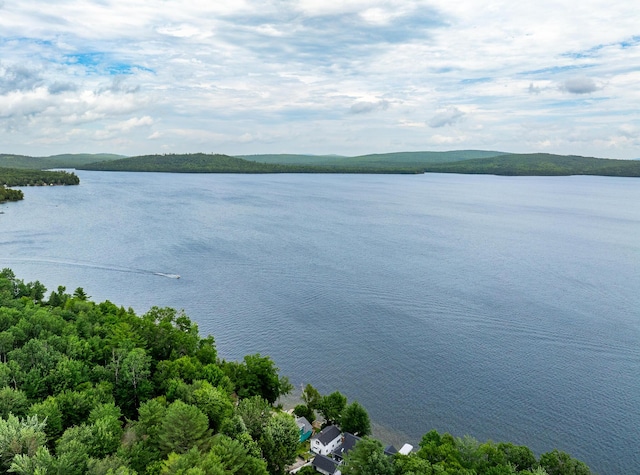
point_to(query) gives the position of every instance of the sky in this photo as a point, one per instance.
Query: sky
(346, 77)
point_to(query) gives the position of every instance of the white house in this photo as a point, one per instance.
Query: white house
(326, 441)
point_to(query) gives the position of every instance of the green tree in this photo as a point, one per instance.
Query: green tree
(40, 463)
(311, 397)
(192, 462)
(134, 380)
(236, 458)
(13, 401)
(302, 410)
(557, 462)
(258, 376)
(355, 420)
(73, 449)
(367, 458)
(19, 436)
(50, 411)
(106, 430)
(184, 426)
(521, 457)
(331, 407)
(214, 403)
(279, 442)
(6, 345)
(255, 412)
(413, 465)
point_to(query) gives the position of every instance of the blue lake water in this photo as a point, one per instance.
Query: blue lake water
(507, 308)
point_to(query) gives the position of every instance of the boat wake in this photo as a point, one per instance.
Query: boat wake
(91, 265)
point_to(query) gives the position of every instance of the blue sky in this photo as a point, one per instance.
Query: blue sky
(316, 76)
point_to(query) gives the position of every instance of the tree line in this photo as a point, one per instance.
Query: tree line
(23, 177)
(93, 388)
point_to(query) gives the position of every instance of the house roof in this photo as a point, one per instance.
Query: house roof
(325, 463)
(327, 434)
(304, 424)
(406, 449)
(390, 450)
(348, 442)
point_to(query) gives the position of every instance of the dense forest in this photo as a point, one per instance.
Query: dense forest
(456, 161)
(7, 194)
(540, 164)
(464, 161)
(22, 177)
(216, 163)
(93, 388)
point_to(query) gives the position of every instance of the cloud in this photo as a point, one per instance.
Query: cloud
(313, 76)
(580, 85)
(62, 87)
(18, 78)
(449, 116)
(365, 107)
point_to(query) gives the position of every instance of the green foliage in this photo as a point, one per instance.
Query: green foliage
(367, 458)
(236, 458)
(7, 194)
(540, 164)
(331, 407)
(68, 160)
(557, 462)
(19, 436)
(355, 420)
(213, 402)
(13, 401)
(302, 410)
(254, 412)
(216, 163)
(311, 397)
(257, 376)
(397, 160)
(184, 426)
(21, 177)
(279, 442)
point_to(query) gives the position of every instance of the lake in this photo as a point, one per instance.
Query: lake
(506, 308)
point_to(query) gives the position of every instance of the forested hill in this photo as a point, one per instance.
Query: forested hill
(93, 388)
(378, 160)
(68, 160)
(540, 164)
(457, 161)
(216, 163)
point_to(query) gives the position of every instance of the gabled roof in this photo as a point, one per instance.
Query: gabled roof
(325, 463)
(304, 425)
(348, 442)
(327, 434)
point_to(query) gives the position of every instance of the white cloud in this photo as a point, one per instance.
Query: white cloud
(360, 74)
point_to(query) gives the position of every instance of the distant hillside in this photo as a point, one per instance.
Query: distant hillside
(456, 161)
(185, 163)
(394, 160)
(55, 161)
(541, 164)
(21, 161)
(70, 160)
(209, 163)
